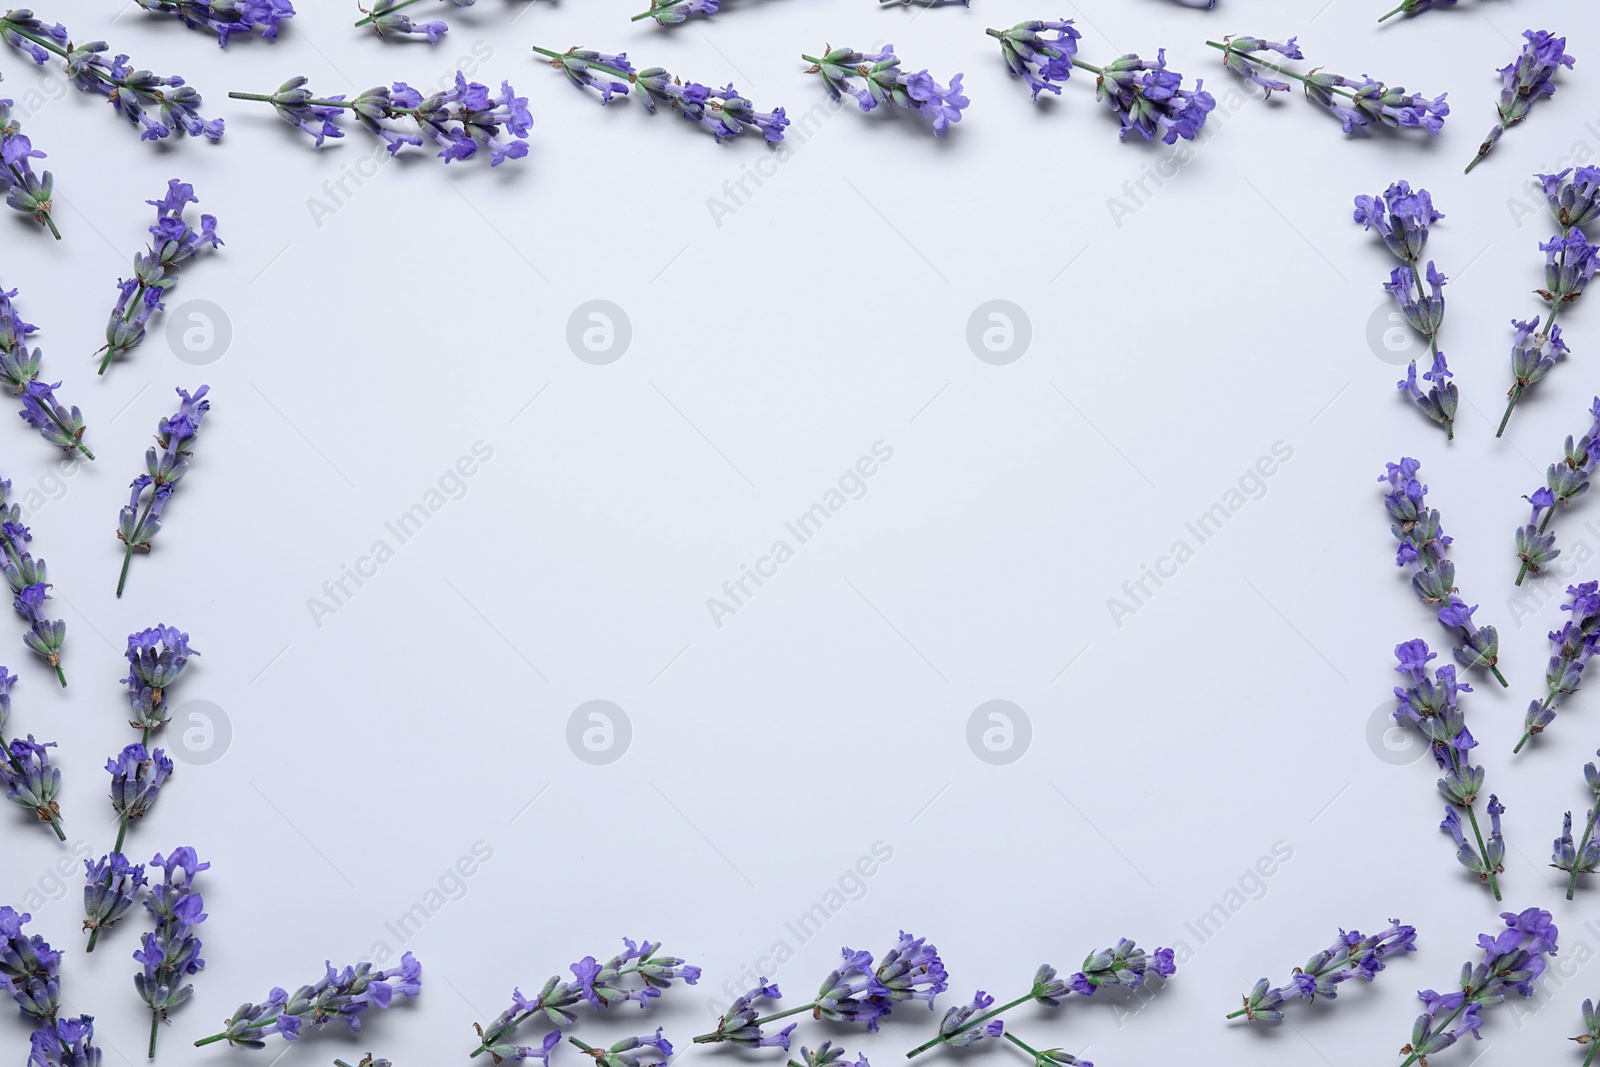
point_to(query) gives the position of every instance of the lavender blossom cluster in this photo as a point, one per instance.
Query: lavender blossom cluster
(19, 372)
(1352, 955)
(31, 194)
(29, 579)
(165, 465)
(26, 774)
(342, 994)
(225, 17)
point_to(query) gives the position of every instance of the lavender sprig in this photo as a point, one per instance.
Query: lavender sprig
(385, 18)
(25, 771)
(461, 121)
(1525, 80)
(1402, 218)
(339, 994)
(30, 585)
(140, 521)
(1422, 544)
(1044, 63)
(857, 991)
(24, 190)
(162, 106)
(157, 658)
(673, 12)
(723, 112)
(225, 17)
(1570, 261)
(638, 1051)
(65, 1043)
(19, 372)
(1352, 955)
(1432, 705)
(1582, 856)
(1124, 965)
(1565, 481)
(137, 775)
(172, 243)
(885, 83)
(1512, 961)
(1358, 103)
(171, 952)
(827, 1054)
(1575, 644)
(111, 886)
(600, 985)
(30, 970)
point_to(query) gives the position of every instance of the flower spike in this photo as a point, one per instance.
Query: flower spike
(1526, 80)
(884, 82)
(1352, 955)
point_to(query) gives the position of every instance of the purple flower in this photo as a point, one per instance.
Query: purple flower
(672, 12)
(156, 658)
(1150, 99)
(1042, 62)
(1583, 856)
(1357, 102)
(137, 776)
(1512, 961)
(65, 1043)
(386, 19)
(110, 887)
(140, 521)
(1431, 704)
(741, 1023)
(1402, 217)
(1569, 263)
(225, 17)
(968, 1024)
(461, 121)
(1565, 481)
(1238, 58)
(172, 243)
(1352, 955)
(30, 584)
(24, 190)
(171, 952)
(1525, 80)
(29, 968)
(884, 82)
(160, 106)
(1574, 196)
(340, 994)
(638, 1051)
(1574, 644)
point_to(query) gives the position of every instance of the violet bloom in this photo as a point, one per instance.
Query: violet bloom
(140, 521)
(172, 243)
(673, 12)
(137, 775)
(1402, 218)
(171, 952)
(1358, 103)
(1422, 543)
(19, 372)
(883, 82)
(1565, 481)
(30, 970)
(1124, 965)
(1149, 99)
(25, 771)
(29, 579)
(1512, 961)
(1352, 955)
(741, 1023)
(24, 190)
(1525, 80)
(600, 985)
(157, 658)
(721, 112)
(638, 1051)
(111, 885)
(1573, 195)
(1581, 856)
(386, 19)
(1040, 61)
(160, 106)
(1575, 643)
(461, 121)
(340, 994)
(827, 1054)
(65, 1043)
(1431, 703)
(225, 17)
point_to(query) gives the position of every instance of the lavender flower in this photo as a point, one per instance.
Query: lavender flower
(171, 952)
(25, 771)
(65, 1043)
(19, 372)
(1583, 856)
(225, 17)
(1565, 481)
(827, 1054)
(1352, 955)
(110, 888)
(1042, 62)
(157, 658)
(1534, 353)
(140, 521)
(1512, 961)
(29, 968)
(1124, 965)
(1432, 705)
(741, 1023)
(643, 1051)
(24, 190)
(343, 994)
(1575, 644)
(385, 18)
(601, 985)
(1422, 544)
(885, 83)
(1525, 80)
(30, 585)
(1402, 218)
(1574, 196)
(162, 106)
(722, 112)
(1357, 103)
(673, 12)
(460, 121)
(173, 243)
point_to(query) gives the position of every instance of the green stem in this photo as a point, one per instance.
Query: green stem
(214, 1038)
(155, 1030)
(973, 1023)
(367, 21)
(1593, 1046)
(631, 76)
(122, 579)
(267, 98)
(1448, 1019)
(706, 1039)
(1494, 885)
(1495, 670)
(1588, 832)
(1393, 13)
(582, 1044)
(1250, 57)
(1098, 72)
(1038, 1057)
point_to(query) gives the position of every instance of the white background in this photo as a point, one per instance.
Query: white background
(1171, 348)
